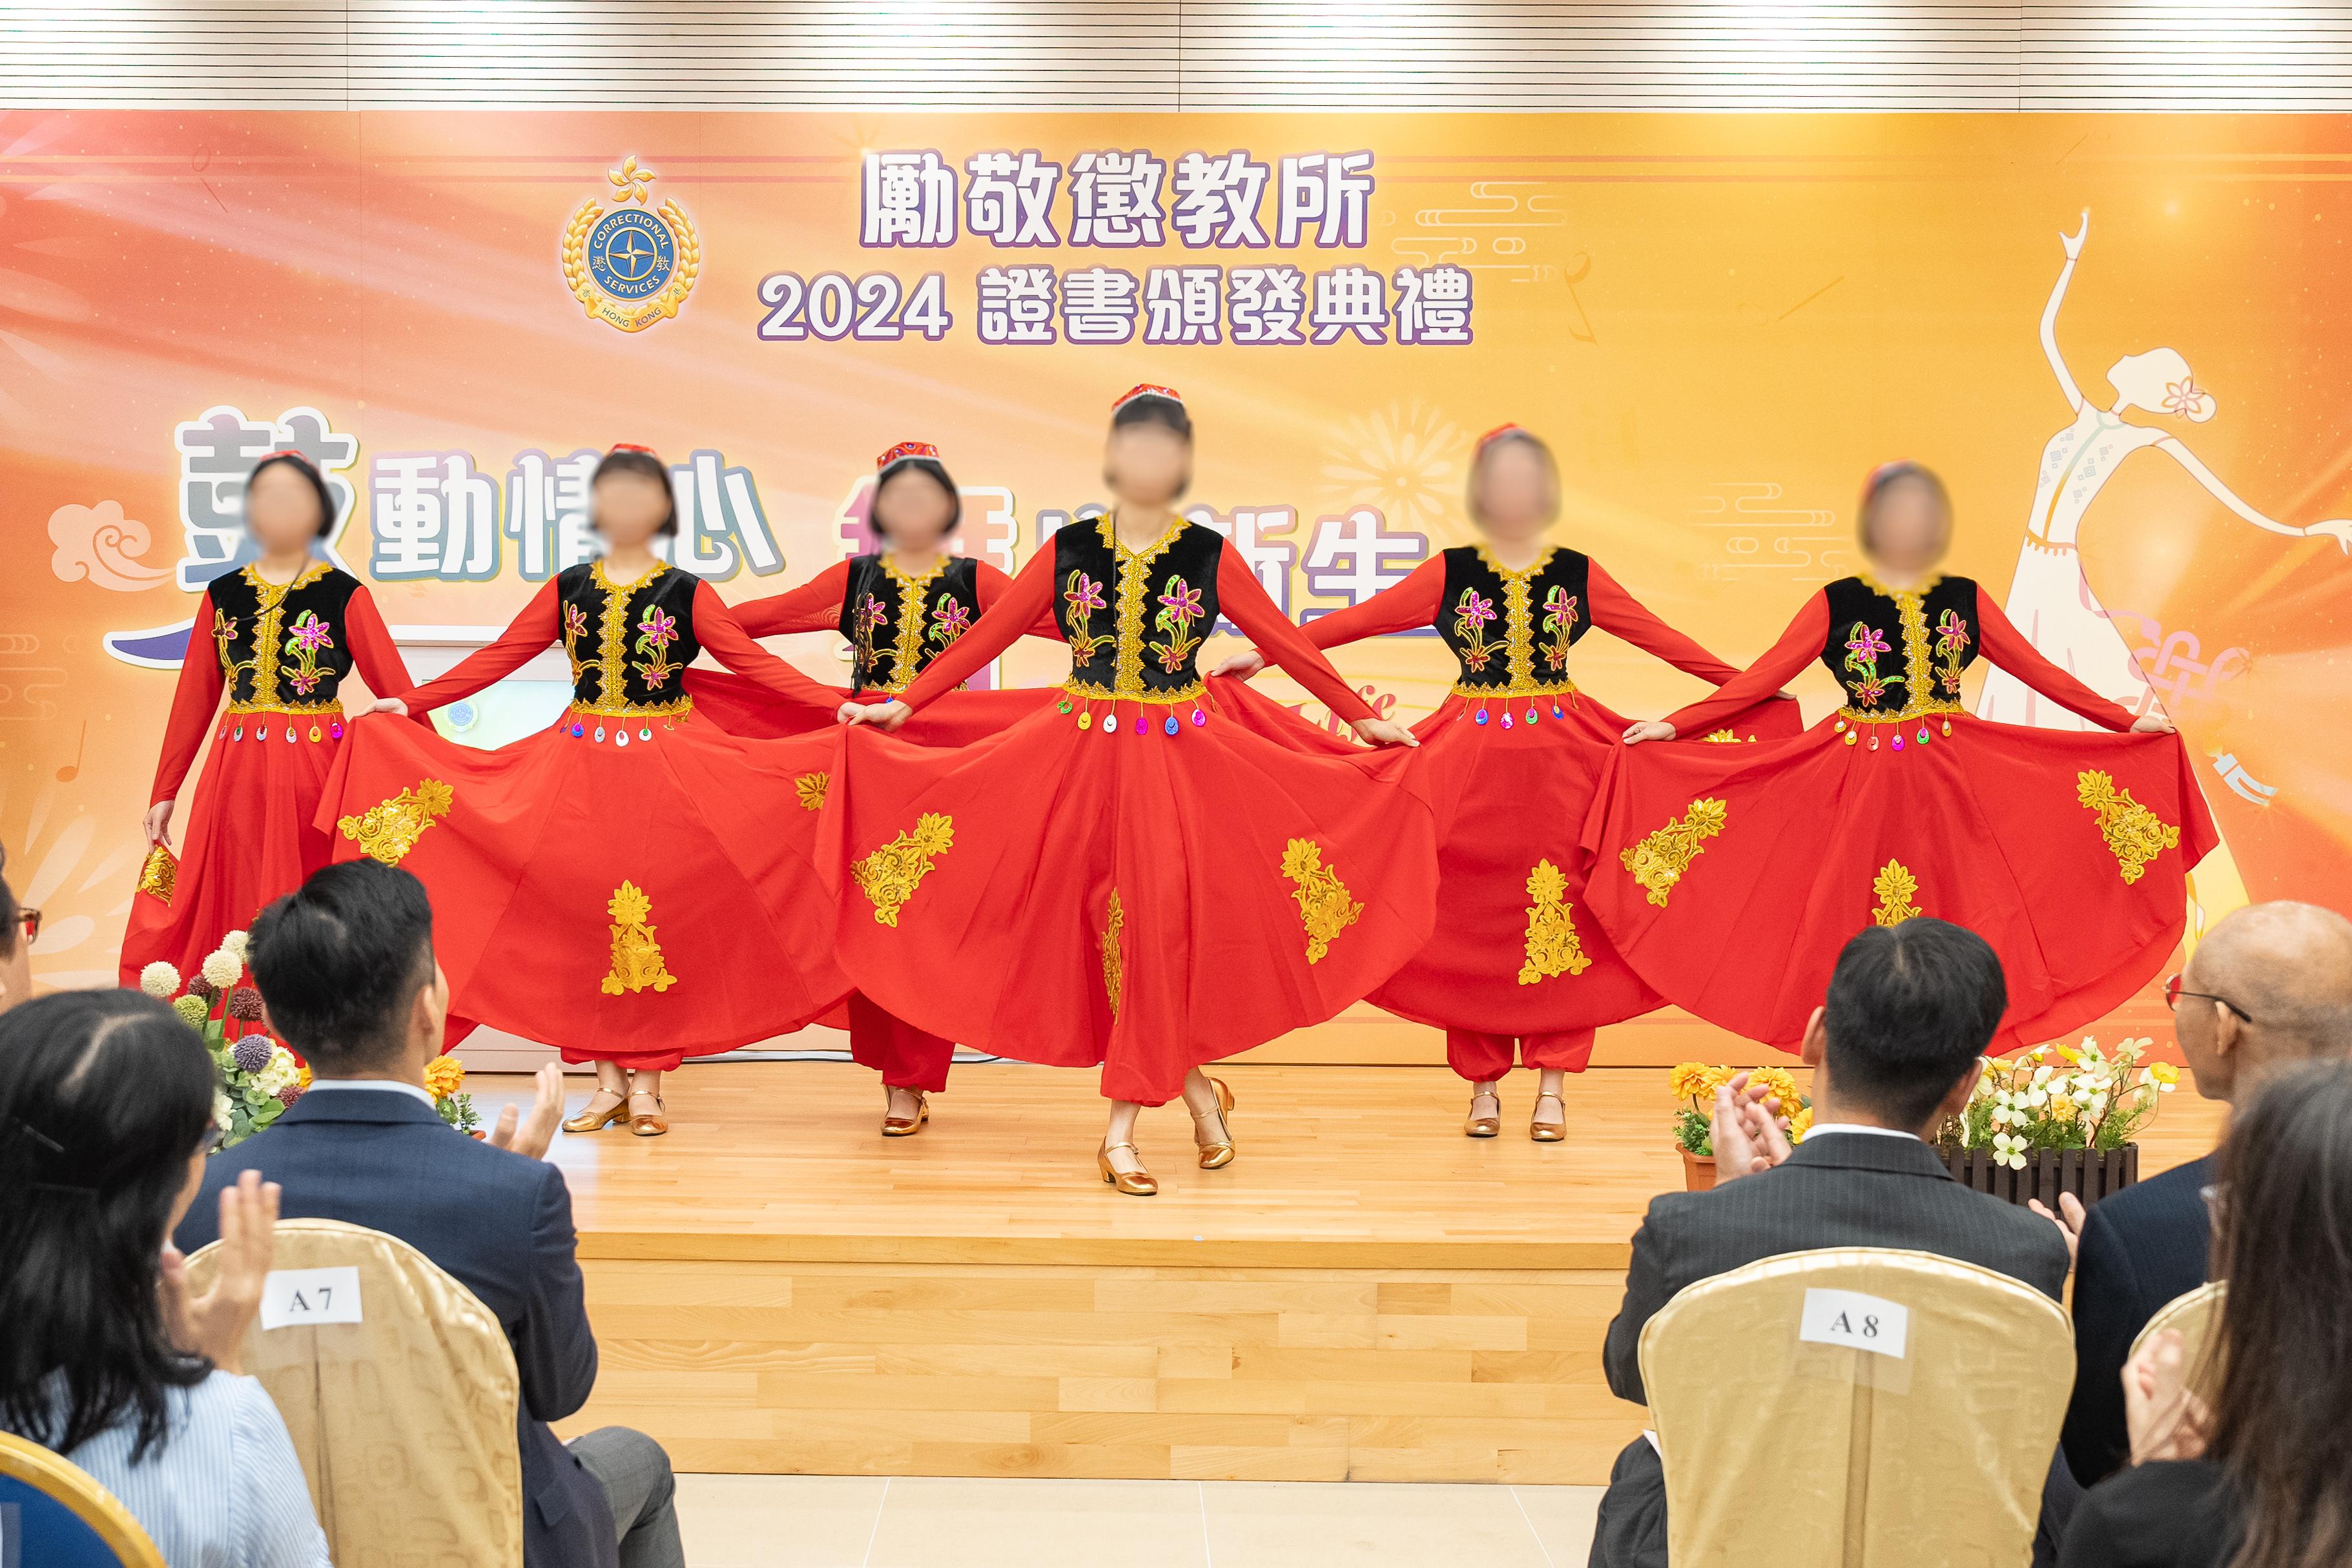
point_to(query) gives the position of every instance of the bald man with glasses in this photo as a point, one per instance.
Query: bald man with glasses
(2270, 987)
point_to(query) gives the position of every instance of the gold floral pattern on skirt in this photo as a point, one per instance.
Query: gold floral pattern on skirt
(811, 788)
(2136, 833)
(389, 829)
(1659, 861)
(1896, 887)
(161, 874)
(889, 875)
(638, 961)
(1324, 904)
(1113, 962)
(1553, 947)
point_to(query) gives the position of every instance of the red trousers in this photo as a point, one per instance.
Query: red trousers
(1482, 1058)
(906, 1056)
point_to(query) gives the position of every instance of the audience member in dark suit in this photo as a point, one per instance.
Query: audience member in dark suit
(346, 971)
(1897, 1049)
(2268, 988)
(2262, 1476)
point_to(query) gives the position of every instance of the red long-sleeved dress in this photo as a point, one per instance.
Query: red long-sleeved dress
(1730, 879)
(896, 622)
(632, 884)
(1510, 963)
(1128, 876)
(280, 652)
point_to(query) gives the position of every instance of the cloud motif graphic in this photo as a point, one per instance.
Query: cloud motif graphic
(100, 543)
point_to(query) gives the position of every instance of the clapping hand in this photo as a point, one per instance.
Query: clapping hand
(1748, 1132)
(529, 1136)
(213, 1325)
(2165, 1420)
(2068, 1219)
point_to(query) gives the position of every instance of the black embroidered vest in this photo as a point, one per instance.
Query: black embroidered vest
(1512, 630)
(628, 645)
(1899, 654)
(283, 648)
(897, 623)
(1135, 620)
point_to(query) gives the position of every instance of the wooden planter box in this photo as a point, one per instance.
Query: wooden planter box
(2088, 1174)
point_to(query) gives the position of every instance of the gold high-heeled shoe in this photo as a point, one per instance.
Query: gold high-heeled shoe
(1218, 1155)
(1478, 1126)
(905, 1126)
(1134, 1184)
(1549, 1132)
(593, 1120)
(648, 1124)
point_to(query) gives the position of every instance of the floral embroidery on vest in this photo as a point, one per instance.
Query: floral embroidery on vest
(1084, 597)
(575, 632)
(1559, 619)
(655, 634)
(1180, 607)
(1951, 642)
(310, 636)
(1863, 644)
(1473, 613)
(951, 619)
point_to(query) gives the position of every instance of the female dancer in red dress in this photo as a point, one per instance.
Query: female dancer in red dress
(631, 883)
(898, 608)
(1128, 877)
(1729, 878)
(277, 635)
(1510, 970)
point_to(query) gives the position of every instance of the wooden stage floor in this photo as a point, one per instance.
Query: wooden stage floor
(1363, 1293)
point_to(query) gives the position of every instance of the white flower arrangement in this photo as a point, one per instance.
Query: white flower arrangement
(2086, 1099)
(223, 967)
(159, 980)
(233, 943)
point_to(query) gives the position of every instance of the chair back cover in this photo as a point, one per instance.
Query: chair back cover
(55, 1514)
(1859, 1407)
(2196, 1314)
(404, 1419)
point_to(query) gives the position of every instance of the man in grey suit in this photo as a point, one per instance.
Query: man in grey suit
(1897, 1049)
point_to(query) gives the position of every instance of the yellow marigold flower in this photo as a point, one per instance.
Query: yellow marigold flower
(444, 1076)
(1776, 1081)
(1713, 1079)
(1801, 1124)
(1683, 1081)
(303, 1079)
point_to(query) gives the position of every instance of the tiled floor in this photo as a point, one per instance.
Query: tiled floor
(921, 1521)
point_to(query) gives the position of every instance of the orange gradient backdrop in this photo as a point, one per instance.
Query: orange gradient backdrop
(1719, 323)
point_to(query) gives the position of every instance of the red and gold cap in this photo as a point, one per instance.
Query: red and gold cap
(1496, 433)
(904, 450)
(1144, 390)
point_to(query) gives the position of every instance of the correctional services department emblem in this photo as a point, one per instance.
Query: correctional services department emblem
(632, 264)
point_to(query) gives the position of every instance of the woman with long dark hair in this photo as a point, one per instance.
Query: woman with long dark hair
(1729, 876)
(1510, 971)
(2243, 1459)
(1128, 877)
(624, 885)
(106, 1115)
(279, 635)
(898, 608)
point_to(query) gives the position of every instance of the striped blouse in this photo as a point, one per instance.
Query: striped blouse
(225, 1491)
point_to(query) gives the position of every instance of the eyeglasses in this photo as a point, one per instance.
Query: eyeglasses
(2173, 994)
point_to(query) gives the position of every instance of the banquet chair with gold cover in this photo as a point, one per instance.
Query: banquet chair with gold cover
(1856, 1407)
(2195, 1314)
(404, 1419)
(53, 1513)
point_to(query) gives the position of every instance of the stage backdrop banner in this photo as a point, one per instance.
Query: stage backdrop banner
(2123, 339)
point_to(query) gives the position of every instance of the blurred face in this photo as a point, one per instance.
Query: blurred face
(629, 508)
(1516, 494)
(1908, 528)
(281, 511)
(1147, 464)
(912, 511)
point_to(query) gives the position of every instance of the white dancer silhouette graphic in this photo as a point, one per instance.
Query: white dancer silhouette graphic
(2050, 599)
